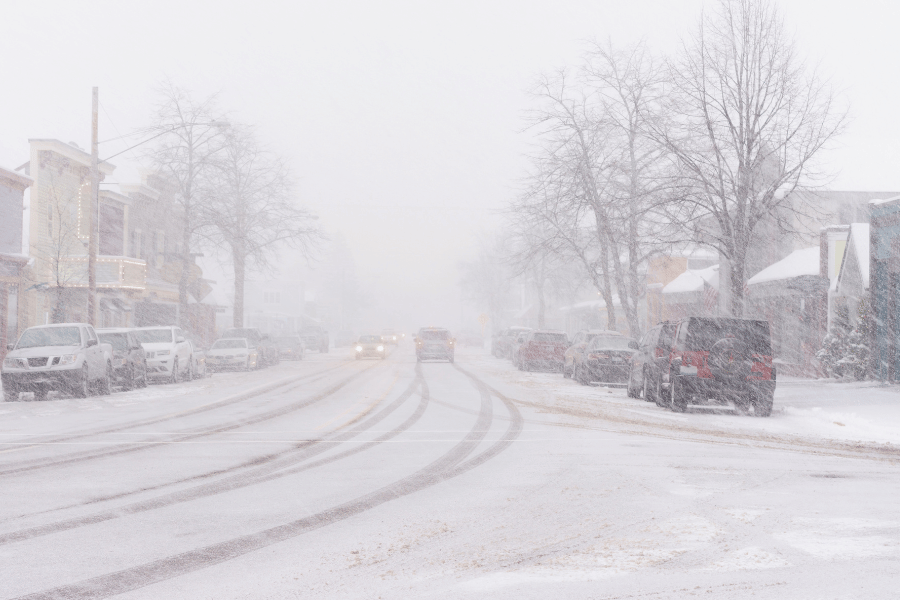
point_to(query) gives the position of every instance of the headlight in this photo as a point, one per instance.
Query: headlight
(14, 363)
(381, 348)
(359, 348)
(68, 359)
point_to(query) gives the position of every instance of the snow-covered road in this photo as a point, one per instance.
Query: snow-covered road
(337, 478)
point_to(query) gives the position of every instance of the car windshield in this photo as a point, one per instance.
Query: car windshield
(432, 334)
(702, 334)
(233, 343)
(554, 338)
(49, 336)
(369, 339)
(610, 342)
(154, 336)
(119, 341)
(250, 334)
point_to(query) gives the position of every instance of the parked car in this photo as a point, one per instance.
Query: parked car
(289, 347)
(607, 360)
(516, 344)
(232, 354)
(315, 337)
(267, 352)
(435, 342)
(168, 353)
(542, 349)
(711, 360)
(502, 343)
(198, 356)
(575, 352)
(66, 357)
(129, 359)
(370, 346)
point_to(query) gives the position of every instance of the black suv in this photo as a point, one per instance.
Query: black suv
(706, 360)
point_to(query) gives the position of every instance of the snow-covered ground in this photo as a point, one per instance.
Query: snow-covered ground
(337, 478)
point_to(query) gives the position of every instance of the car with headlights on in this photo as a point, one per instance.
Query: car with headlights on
(168, 353)
(232, 354)
(369, 346)
(607, 360)
(435, 343)
(129, 359)
(66, 357)
(389, 336)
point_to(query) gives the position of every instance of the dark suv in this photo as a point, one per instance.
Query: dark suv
(706, 360)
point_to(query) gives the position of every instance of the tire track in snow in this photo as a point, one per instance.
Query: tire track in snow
(449, 465)
(30, 466)
(274, 466)
(289, 382)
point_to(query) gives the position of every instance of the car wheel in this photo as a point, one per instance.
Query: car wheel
(174, 377)
(579, 375)
(106, 383)
(144, 376)
(82, 387)
(10, 395)
(678, 399)
(189, 376)
(658, 395)
(130, 381)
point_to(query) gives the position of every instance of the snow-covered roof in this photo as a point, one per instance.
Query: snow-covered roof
(885, 200)
(591, 304)
(796, 264)
(693, 281)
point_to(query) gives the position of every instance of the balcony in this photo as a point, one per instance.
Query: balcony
(120, 272)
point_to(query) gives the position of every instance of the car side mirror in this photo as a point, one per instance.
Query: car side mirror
(90, 343)
(10, 346)
(180, 339)
(633, 345)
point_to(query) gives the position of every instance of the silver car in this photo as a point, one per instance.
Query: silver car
(67, 358)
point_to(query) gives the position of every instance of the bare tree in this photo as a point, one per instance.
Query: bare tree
(749, 121)
(250, 210)
(190, 136)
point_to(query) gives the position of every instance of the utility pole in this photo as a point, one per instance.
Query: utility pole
(95, 204)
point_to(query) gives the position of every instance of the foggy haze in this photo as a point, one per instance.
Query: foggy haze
(402, 122)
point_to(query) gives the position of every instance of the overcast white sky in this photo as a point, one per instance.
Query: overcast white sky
(400, 120)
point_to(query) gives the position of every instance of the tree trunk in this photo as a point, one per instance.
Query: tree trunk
(239, 274)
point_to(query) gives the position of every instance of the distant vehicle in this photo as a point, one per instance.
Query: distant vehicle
(344, 338)
(435, 342)
(542, 349)
(267, 353)
(502, 344)
(607, 359)
(232, 353)
(315, 338)
(129, 359)
(706, 360)
(389, 336)
(290, 347)
(168, 353)
(370, 346)
(66, 358)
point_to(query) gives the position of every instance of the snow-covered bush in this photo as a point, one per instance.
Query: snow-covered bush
(834, 348)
